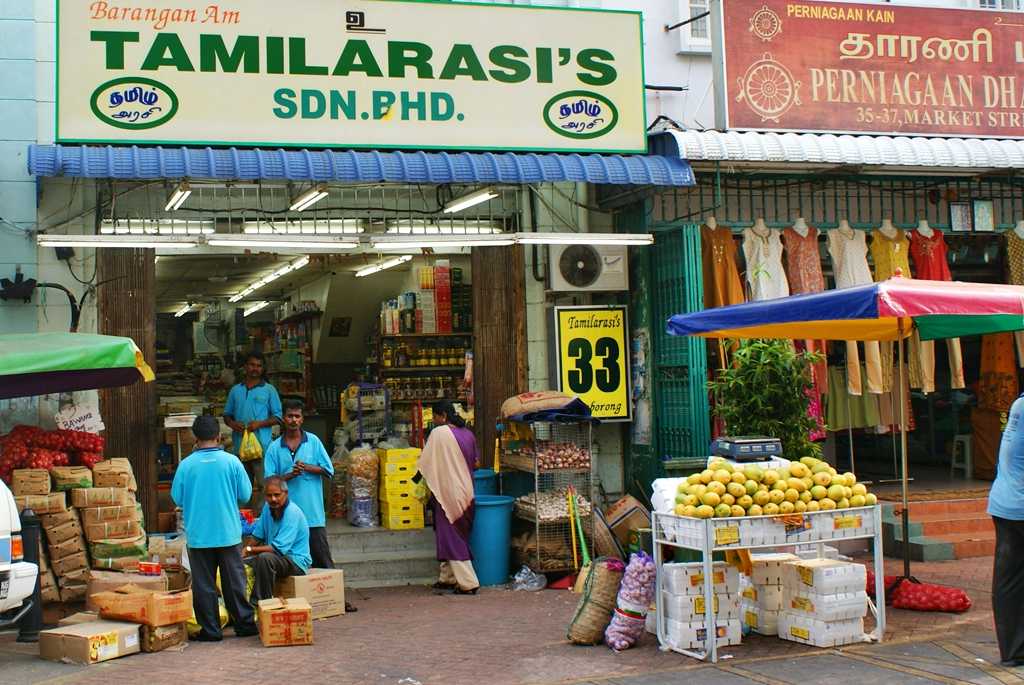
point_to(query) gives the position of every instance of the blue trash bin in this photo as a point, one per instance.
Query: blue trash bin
(485, 482)
(491, 538)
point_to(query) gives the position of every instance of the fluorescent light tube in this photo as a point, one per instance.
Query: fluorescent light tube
(282, 242)
(470, 200)
(381, 266)
(287, 268)
(123, 241)
(308, 198)
(304, 227)
(183, 311)
(443, 227)
(178, 197)
(412, 242)
(157, 227)
(255, 308)
(584, 238)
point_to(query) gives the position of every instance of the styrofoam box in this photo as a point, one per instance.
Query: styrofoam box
(758, 619)
(824, 576)
(651, 621)
(772, 463)
(727, 533)
(687, 608)
(693, 635)
(688, 578)
(809, 631)
(811, 552)
(839, 607)
(767, 597)
(845, 523)
(767, 568)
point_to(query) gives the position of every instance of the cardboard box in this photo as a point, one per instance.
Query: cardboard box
(79, 617)
(132, 603)
(70, 477)
(118, 528)
(114, 473)
(55, 519)
(75, 562)
(285, 622)
(101, 497)
(105, 581)
(71, 592)
(63, 532)
(120, 564)
(108, 513)
(77, 575)
(162, 637)
(44, 563)
(166, 522)
(178, 580)
(49, 591)
(626, 515)
(323, 588)
(89, 643)
(42, 504)
(118, 547)
(167, 549)
(74, 545)
(30, 482)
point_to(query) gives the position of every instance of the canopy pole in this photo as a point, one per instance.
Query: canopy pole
(903, 455)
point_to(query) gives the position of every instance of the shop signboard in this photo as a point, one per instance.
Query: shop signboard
(868, 68)
(355, 74)
(592, 358)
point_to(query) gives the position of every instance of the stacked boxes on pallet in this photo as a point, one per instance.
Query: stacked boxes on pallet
(761, 593)
(683, 603)
(824, 602)
(399, 507)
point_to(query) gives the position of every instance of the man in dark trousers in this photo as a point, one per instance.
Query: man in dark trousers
(209, 486)
(280, 545)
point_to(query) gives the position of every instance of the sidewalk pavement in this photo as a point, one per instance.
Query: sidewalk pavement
(409, 636)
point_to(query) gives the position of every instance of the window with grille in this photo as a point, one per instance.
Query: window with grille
(695, 36)
(1013, 5)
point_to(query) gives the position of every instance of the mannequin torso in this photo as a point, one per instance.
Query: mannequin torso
(800, 226)
(924, 229)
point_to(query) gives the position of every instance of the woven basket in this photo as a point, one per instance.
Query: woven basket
(605, 543)
(594, 611)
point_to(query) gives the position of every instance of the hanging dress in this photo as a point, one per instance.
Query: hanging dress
(721, 277)
(765, 274)
(931, 264)
(1015, 262)
(803, 268)
(849, 252)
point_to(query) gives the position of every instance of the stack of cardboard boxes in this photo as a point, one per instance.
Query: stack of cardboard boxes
(824, 602)
(443, 295)
(67, 553)
(761, 593)
(111, 517)
(683, 602)
(399, 507)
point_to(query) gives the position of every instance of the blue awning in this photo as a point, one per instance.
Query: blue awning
(349, 166)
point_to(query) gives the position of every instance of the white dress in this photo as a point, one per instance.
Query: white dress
(765, 275)
(849, 258)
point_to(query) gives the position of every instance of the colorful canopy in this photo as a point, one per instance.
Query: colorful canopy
(878, 311)
(42, 363)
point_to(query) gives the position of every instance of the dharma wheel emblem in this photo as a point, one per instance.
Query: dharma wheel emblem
(765, 23)
(769, 88)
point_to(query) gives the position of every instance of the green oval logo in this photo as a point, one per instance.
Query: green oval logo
(580, 114)
(134, 103)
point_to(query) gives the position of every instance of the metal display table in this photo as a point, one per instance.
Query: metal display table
(761, 532)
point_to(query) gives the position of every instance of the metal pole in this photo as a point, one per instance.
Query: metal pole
(32, 622)
(903, 457)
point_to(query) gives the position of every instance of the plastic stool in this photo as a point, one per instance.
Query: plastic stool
(962, 457)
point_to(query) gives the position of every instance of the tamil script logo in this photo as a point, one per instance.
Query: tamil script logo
(580, 114)
(134, 103)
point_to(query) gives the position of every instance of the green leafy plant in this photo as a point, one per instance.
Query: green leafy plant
(765, 392)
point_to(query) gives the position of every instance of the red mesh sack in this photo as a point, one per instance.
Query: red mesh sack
(905, 594)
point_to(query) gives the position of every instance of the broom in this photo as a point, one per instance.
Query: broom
(581, 579)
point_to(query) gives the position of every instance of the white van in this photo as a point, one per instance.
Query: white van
(17, 577)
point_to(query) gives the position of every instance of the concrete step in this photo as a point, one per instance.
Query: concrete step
(939, 547)
(953, 507)
(378, 557)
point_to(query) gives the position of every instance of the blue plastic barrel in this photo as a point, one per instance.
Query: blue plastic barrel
(485, 482)
(491, 538)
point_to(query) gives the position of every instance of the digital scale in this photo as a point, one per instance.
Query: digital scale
(747, 448)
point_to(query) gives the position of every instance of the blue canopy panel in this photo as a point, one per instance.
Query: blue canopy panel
(859, 302)
(353, 166)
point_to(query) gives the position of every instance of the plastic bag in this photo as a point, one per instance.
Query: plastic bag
(339, 482)
(192, 626)
(421, 492)
(635, 596)
(526, 579)
(250, 448)
(363, 479)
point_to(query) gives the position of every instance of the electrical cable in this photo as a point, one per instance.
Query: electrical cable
(76, 312)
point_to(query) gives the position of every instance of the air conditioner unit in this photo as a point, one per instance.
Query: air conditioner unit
(577, 268)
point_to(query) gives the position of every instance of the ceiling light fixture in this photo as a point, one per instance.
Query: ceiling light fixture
(156, 227)
(305, 227)
(584, 238)
(178, 197)
(300, 242)
(122, 241)
(443, 227)
(413, 242)
(308, 198)
(470, 200)
(287, 268)
(381, 266)
(183, 311)
(255, 308)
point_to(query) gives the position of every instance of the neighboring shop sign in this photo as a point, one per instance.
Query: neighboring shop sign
(880, 68)
(593, 352)
(353, 74)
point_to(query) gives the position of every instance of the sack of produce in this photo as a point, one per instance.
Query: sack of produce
(250, 448)
(635, 595)
(363, 480)
(594, 610)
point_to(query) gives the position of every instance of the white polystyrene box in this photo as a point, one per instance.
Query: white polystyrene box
(758, 619)
(767, 567)
(824, 576)
(772, 463)
(693, 635)
(768, 597)
(686, 608)
(688, 578)
(810, 631)
(838, 607)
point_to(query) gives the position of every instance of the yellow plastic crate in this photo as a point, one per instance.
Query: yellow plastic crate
(409, 506)
(402, 522)
(396, 486)
(404, 467)
(394, 456)
(394, 497)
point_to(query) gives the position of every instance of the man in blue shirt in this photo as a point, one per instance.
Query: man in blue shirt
(209, 486)
(301, 460)
(253, 405)
(1006, 506)
(282, 541)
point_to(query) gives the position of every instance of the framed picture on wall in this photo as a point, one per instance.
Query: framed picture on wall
(984, 216)
(961, 219)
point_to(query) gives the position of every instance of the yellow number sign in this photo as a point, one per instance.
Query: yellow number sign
(593, 358)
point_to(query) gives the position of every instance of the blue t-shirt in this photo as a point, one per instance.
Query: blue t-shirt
(1005, 499)
(289, 535)
(307, 489)
(209, 485)
(257, 403)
